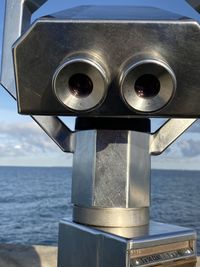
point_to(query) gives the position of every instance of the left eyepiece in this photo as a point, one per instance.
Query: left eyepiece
(80, 84)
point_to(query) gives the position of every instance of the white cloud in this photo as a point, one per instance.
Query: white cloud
(23, 138)
(25, 141)
(190, 148)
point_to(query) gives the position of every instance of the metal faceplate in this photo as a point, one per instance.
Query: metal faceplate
(117, 41)
(166, 245)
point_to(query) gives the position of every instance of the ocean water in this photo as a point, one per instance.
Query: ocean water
(33, 200)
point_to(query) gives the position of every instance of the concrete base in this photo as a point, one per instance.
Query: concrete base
(31, 256)
(27, 256)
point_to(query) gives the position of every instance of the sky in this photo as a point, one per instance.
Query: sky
(23, 143)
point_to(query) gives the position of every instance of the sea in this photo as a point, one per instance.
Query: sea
(33, 200)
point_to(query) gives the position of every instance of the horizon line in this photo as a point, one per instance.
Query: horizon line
(29, 166)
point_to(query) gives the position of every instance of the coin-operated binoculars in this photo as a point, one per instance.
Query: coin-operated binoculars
(113, 68)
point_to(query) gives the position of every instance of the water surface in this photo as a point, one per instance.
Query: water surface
(33, 200)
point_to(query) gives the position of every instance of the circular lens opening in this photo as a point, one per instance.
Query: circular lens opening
(147, 86)
(80, 85)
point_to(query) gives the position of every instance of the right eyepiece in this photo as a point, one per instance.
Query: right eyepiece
(148, 85)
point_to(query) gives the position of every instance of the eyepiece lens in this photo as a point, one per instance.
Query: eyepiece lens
(147, 86)
(80, 85)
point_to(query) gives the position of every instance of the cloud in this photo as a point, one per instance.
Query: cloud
(190, 148)
(24, 138)
(25, 143)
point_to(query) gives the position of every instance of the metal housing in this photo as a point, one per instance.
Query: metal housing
(117, 36)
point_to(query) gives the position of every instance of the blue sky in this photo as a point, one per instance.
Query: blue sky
(22, 142)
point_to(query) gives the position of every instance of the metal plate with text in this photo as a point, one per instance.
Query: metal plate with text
(162, 258)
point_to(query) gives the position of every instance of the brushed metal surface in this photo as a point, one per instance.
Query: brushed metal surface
(138, 177)
(83, 173)
(111, 169)
(128, 232)
(85, 246)
(167, 134)
(195, 4)
(159, 249)
(143, 33)
(111, 217)
(17, 20)
(112, 13)
(166, 82)
(84, 65)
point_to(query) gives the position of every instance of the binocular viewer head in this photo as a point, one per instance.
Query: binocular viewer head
(109, 62)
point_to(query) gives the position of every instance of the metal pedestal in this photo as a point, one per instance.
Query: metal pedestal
(111, 198)
(161, 245)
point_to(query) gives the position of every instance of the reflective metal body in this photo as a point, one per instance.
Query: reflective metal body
(111, 197)
(114, 156)
(111, 183)
(121, 62)
(17, 20)
(119, 36)
(162, 245)
(195, 4)
(80, 67)
(167, 134)
(154, 69)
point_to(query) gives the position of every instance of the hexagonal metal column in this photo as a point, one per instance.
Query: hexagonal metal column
(111, 178)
